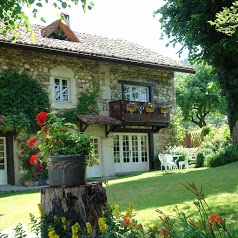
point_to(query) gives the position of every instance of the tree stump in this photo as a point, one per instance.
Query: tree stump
(77, 204)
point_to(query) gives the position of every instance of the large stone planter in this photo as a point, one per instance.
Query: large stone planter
(66, 170)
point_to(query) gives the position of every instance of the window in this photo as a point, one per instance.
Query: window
(96, 147)
(61, 90)
(135, 93)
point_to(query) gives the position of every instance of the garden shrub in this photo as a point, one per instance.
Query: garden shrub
(222, 156)
(217, 148)
(201, 155)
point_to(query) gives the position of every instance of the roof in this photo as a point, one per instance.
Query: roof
(96, 119)
(92, 46)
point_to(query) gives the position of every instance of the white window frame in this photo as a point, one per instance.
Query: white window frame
(61, 90)
(139, 99)
(62, 72)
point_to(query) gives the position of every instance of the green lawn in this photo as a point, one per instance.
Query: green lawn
(147, 191)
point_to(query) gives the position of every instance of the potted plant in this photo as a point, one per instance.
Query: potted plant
(149, 106)
(165, 108)
(67, 151)
(131, 106)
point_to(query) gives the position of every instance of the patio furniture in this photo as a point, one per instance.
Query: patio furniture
(166, 161)
(163, 161)
(170, 161)
(184, 163)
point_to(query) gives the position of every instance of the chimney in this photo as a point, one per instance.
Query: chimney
(65, 16)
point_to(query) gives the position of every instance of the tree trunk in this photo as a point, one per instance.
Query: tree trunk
(77, 204)
(229, 83)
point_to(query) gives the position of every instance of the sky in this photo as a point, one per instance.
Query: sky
(130, 20)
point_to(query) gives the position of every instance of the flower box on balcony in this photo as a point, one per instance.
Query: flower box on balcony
(131, 106)
(149, 109)
(149, 106)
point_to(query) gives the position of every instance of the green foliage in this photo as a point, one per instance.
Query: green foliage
(87, 103)
(178, 131)
(227, 20)
(205, 225)
(21, 99)
(217, 148)
(222, 156)
(186, 22)
(59, 137)
(69, 115)
(199, 95)
(201, 155)
(12, 12)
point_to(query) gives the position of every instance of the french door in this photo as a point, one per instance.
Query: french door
(3, 161)
(130, 152)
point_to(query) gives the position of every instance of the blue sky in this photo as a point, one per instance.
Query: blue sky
(124, 19)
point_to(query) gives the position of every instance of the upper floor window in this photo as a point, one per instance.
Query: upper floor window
(61, 90)
(135, 93)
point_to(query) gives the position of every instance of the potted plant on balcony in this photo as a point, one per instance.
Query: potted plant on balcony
(165, 108)
(131, 106)
(149, 106)
(66, 150)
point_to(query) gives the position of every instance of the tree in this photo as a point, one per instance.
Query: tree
(199, 95)
(227, 20)
(12, 14)
(186, 22)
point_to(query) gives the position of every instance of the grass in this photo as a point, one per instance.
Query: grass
(148, 192)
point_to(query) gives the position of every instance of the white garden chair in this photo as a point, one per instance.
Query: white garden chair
(166, 161)
(184, 163)
(163, 161)
(170, 161)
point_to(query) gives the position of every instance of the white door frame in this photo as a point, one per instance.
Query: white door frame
(3, 161)
(96, 170)
(131, 152)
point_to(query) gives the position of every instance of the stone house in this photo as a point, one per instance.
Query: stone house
(68, 64)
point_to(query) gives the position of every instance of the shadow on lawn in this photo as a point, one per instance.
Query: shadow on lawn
(14, 193)
(156, 189)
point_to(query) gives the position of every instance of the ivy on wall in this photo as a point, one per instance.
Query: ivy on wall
(87, 103)
(21, 99)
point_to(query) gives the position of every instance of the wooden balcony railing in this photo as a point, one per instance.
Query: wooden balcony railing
(118, 110)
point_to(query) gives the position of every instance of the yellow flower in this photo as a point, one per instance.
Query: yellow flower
(75, 228)
(89, 228)
(63, 220)
(129, 210)
(116, 211)
(40, 210)
(52, 233)
(102, 224)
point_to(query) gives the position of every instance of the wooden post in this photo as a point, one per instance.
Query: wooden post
(77, 204)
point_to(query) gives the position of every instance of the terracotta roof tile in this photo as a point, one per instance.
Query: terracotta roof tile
(95, 119)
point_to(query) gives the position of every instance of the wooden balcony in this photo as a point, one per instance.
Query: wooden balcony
(118, 110)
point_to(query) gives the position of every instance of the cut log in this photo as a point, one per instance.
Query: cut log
(77, 204)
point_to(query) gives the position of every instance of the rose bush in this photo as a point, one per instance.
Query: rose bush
(58, 137)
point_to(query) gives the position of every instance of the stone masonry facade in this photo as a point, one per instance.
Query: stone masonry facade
(85, 75)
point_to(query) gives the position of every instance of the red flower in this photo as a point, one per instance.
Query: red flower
(164, 233)
(215, 218)
(33, 159)
(32, 142)
(41, 118)
(127, 221)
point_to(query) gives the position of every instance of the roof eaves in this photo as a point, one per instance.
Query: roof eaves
(103, 57)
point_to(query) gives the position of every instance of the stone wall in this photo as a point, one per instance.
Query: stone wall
(85, 75)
